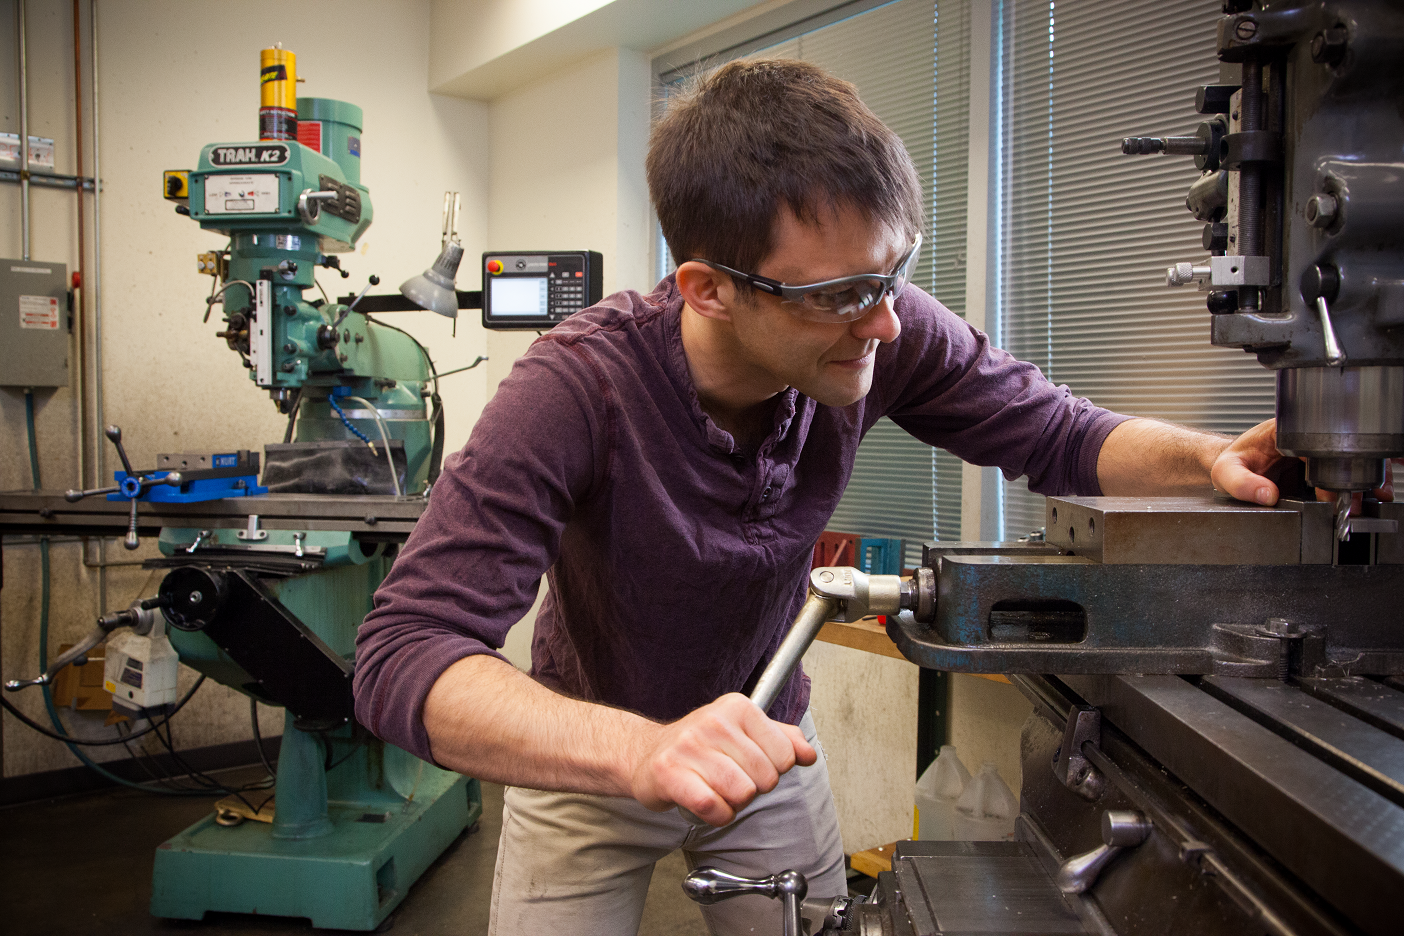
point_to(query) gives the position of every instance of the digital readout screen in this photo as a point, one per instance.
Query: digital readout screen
(519, 295)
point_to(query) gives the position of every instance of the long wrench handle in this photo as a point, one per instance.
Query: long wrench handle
(816, 610)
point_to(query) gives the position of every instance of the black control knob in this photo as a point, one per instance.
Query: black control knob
(1215, 238)
(327, 337)
(1320, 279)
(1214, 99)
(1222, 303)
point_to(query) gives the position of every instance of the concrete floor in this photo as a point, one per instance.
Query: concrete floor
(82, 865)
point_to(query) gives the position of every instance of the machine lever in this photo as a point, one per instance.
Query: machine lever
(114, 433)
(1334, 355)
(1320, 284)
(309, 204)
(711, 885)
(1121, 829)
(134, 618)
(132, 487)
(131, 541)
(74, 496)
(374, 281)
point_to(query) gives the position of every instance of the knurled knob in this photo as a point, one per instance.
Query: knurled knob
(1181, 274)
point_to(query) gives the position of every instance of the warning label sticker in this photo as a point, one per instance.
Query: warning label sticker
(232, 194)
(39, 312)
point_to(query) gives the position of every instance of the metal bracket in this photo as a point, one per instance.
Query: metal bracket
(252, 532)
(1072, 769)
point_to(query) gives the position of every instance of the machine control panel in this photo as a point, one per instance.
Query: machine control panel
(539, 289)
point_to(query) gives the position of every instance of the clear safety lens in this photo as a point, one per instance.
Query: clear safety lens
(841, 303)
(852, 299)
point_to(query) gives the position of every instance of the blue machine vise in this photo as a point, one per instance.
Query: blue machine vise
(202, 478)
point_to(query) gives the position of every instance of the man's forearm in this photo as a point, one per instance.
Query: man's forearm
(487, 719)
(1146, 457)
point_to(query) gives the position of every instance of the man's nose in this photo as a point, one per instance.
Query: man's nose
(880, 323)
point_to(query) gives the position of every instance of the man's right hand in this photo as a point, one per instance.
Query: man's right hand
(487, 719)
(717, 759)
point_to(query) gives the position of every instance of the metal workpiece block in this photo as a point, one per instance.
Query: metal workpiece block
(1390, 546)
(931, 552)
(1175, 531)
(1067, 614)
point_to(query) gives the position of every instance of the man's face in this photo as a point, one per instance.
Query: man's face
(831, 363)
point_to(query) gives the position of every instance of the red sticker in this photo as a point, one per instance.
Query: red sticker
(309, 134)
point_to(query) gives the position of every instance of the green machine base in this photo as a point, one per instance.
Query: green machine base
(350, 874)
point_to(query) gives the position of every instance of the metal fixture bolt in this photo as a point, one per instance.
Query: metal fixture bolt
(1328, 47)
(1321, 210)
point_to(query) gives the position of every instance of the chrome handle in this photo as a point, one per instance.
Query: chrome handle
(711, 885)
(1121, 829)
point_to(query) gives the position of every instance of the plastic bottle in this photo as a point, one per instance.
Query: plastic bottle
(936, 793)
(986, 810)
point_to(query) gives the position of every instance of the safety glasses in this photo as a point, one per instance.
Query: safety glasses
(837, 300)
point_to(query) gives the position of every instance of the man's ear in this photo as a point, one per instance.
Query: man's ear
(708, 292)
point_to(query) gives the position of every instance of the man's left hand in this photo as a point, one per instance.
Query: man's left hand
(1240, 469)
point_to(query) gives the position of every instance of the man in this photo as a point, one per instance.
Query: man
(668, 461)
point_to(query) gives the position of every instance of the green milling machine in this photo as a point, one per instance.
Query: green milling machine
(273, 613)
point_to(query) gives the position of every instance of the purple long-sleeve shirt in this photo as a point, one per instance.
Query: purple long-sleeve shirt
(675, 561)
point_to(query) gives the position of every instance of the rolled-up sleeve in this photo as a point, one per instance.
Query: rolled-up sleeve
(472, 566)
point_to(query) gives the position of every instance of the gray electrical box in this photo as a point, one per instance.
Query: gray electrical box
(33, 324)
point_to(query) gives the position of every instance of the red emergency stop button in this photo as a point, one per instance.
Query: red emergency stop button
(494, 266)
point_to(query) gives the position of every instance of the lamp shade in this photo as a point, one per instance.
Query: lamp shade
(434, 288)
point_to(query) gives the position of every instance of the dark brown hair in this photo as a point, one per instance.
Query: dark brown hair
(737, 143)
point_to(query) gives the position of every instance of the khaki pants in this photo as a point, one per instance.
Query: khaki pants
(572, 863)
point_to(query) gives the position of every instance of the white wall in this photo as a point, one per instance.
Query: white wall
(567, 173)
(167, 89)
(469, 35)
(865, 707)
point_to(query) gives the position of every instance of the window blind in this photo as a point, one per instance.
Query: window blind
(1086, 233)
